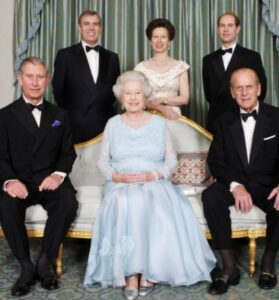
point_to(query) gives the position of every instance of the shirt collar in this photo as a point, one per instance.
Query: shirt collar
(232, 46)
(28, 101)
(85, 44)
(242, 111)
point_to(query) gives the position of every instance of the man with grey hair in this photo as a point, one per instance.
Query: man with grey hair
(36, 155)
(244, 160)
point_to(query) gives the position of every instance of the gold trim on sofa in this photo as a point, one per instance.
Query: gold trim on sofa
(252, 234)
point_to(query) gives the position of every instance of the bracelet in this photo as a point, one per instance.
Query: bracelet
(156, 176)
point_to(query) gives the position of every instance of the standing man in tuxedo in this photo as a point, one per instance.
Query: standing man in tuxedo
(36, 155)
(219, 65)
(83, 78)
(244, 160)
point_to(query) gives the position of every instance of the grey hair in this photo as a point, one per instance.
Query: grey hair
(131, 76)
(34, 61)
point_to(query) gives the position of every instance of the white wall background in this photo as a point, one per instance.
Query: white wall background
(6, 52)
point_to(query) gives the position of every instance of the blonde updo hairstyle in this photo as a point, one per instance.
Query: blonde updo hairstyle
(131, 76)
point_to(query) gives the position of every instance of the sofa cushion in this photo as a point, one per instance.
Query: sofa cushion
(191, 169)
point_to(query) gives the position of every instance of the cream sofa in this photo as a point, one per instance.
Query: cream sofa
(188, 137)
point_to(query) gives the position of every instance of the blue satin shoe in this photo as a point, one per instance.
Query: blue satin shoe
(131, 294)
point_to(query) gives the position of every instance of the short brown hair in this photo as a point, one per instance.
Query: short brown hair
(160, 23)
(34, 61)
(88, 13)
(229, 13)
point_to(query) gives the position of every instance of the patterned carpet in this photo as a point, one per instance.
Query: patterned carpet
(74, 261)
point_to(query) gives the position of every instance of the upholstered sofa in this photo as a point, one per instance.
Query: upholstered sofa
(191, 142)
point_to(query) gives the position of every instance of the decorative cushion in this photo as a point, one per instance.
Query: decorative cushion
(191, 169)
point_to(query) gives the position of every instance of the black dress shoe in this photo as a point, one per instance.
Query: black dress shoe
(221, 283)
(267, 281)
(21, 287)
(49, 282)
(215, 272)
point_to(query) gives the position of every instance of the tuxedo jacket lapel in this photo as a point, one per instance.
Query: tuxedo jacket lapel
(23, 114)
(239, 140)
(84, 66)
(47, 117)
(261, 128)
(103, 64)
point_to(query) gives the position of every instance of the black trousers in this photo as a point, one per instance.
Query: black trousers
(61, 206)
(216, 202)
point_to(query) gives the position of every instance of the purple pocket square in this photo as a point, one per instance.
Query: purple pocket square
(56, 123)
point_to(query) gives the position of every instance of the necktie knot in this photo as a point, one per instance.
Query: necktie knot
(32, 106)
(95, 48)
(245, 116)
(224, 51)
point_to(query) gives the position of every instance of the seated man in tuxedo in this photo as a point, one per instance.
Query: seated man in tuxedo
(244, 160)
(36, 154)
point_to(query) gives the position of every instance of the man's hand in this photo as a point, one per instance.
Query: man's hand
(17, 189)
(50, 183)
(274, 192)
(243, 200)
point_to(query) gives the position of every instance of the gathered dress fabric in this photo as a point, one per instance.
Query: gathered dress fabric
(164, 84)
(148, 227)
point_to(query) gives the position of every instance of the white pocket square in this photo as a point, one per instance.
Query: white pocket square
(269, 137)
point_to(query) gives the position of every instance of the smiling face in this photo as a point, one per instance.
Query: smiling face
(245, 89)
(228, 30)
(33, 80)
(160, 39)
(90, 29)
(132, 97)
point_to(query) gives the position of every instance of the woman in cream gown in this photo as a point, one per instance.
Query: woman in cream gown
(167, 76)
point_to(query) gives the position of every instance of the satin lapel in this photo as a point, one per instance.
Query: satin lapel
(84, 66)
(239, 140)
(47, 117)
(103, 64)
(218, 66)
(23, 114)
(259, 133)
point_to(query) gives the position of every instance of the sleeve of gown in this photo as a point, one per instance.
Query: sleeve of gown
(103, 163)
(170, 160)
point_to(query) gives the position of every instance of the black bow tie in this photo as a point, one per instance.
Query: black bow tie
(224, 51)
(39, 107)
(245, 116)
(96, 48)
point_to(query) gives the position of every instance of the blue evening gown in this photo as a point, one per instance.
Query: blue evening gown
(150, 227)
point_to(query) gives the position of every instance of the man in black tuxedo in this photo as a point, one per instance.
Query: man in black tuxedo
(244, 160)
(36, 154)
(83, 78)
(219, 65)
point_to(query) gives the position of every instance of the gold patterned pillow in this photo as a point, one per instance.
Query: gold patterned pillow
(191, 169)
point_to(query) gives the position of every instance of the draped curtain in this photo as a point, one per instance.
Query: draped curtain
(44, 26)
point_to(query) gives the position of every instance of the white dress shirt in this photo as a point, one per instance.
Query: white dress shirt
(227, 56)
(248, 130)
(93, 60)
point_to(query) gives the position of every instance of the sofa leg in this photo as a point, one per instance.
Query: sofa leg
(252, 256)
(59, 261)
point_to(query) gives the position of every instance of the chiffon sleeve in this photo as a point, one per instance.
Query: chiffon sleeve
(103, 163)
(170, 160)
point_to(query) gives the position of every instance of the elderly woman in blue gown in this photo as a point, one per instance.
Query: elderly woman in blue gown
(146, 231)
